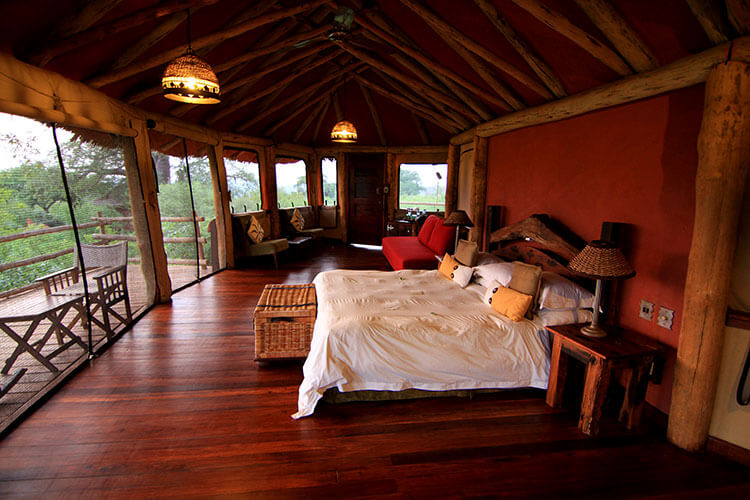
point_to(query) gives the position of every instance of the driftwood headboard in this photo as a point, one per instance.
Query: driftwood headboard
(537, 240)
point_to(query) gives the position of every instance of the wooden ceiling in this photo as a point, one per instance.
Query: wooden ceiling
(410, 72)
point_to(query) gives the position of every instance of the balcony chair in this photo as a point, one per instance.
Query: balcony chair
(106, 273)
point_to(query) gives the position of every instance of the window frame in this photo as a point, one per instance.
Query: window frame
(307, 178)
(398, 193)
(322, 180)
(260, 172)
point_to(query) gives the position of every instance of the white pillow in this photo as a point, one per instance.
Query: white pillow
(567, 317)
(501, 272)
(462, 275)
(558, 292)
(484, 258)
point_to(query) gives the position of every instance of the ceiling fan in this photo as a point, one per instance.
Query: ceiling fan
(341, 27)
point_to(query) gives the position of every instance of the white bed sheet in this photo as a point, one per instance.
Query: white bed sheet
(415, 329)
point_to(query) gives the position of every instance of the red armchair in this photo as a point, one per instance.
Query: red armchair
(418, 252)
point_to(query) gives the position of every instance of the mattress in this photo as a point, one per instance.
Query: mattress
(415, 329)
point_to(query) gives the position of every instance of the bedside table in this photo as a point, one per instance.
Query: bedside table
(622, 350)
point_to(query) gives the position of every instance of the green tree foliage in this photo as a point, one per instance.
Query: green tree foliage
(410, 183)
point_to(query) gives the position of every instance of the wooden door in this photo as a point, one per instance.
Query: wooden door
(365, 173)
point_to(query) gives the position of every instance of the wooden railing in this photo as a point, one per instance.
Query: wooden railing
(102, 223)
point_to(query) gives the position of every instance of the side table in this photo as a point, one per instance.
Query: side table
(622, 350)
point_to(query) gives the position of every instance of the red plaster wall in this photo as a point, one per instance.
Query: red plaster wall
(634, 164)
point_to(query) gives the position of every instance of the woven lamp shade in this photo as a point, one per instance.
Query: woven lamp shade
(458, 218)
(601, 260)
(344, 131)
(190, 79)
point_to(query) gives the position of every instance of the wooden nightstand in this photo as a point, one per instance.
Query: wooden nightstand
(622, 350)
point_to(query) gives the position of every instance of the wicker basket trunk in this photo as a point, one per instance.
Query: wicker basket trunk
(284, 320)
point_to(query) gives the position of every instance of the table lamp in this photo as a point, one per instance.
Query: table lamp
(600, 260)
(458, 218)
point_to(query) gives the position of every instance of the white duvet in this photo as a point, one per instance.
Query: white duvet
(414, 329)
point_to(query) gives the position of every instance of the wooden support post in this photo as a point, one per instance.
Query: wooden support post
(479, 189)
(723, 160)
(225, 244)
(451, 186)
(268, 187)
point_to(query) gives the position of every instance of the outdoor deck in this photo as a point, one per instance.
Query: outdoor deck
(38, 379)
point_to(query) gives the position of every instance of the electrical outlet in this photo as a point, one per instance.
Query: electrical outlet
(647, 310)
(665, 318)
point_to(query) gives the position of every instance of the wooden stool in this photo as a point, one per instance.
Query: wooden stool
(622, 350)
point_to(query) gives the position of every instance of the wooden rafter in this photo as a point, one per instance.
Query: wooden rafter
(545, 73)
(450, 104)
(106, 30)
(321, 117)
(269, 48)
(199, 43)
(321, 107)
(617, 30)
(422, 111)
(485, 73)
(440, 25)
(304, 105)
(152, 38)
(711, 18)
(434, 66)
(337, 109)
(566, 28)
(257, 118)
(375, 115)
(419, 99)
(421, 129)
(271, 88)
(738, 12)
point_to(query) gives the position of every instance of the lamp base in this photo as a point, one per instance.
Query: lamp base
(593, 331)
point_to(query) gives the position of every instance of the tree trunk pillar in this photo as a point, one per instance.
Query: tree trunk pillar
(451, 186)
(723, 159)
(479, 189)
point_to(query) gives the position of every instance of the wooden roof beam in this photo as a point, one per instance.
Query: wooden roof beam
(710, 15)
(545, 73)
(421, 129)
(485, 73)
(422, 111)
(289, 100)
(375, 115)
(322, 107)
(104, 31)
(562, 25)
(441, 26)
(199, 43)
(738, 12)
(322, 116)
(617, 30)
(232, 107)
(451, 105)
(248, 56)
(304, 104)
(432, 65)
(420, 100)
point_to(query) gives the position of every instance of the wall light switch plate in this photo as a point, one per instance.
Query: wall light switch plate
(647, 310)
(665, 318)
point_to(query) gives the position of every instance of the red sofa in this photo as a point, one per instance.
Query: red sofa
(418, 252)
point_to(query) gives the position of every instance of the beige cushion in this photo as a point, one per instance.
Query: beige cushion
(526, 279)
(510, 303)
(466, 253)
(255, 230)
(297, 221)
(268, 247)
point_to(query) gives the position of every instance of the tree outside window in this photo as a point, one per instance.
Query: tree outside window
(330, 181)
(422, 186)
(243, 179)
(291, 182)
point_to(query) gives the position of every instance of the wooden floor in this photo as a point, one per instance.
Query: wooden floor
(178, 408)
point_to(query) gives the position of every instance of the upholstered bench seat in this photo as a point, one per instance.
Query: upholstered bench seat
(418, 252)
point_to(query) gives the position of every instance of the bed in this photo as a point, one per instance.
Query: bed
(418, 329)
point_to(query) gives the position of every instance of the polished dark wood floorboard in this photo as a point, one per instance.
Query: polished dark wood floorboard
(178, 408)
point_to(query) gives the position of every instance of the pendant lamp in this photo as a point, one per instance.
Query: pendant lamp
(344, 131)
(190, 79)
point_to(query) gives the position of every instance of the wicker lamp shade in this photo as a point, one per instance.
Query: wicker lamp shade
(344, 131)
(458, 218)
(190, 79)
(601, 260)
